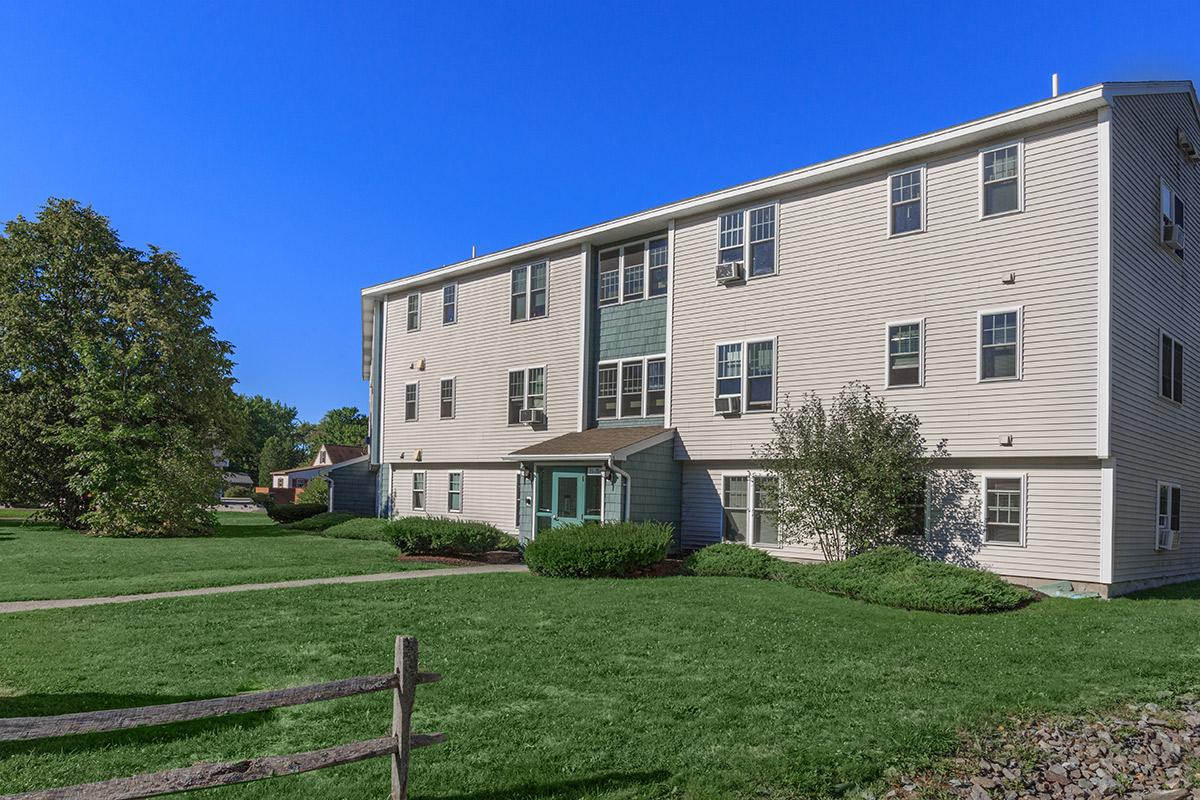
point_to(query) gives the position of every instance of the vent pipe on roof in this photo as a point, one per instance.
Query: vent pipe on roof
(472, 251)
(1054, 85)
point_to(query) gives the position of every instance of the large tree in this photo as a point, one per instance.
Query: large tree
(281, 451)
(114, 388)
(264, 418)
(345, 425)
(849, 477)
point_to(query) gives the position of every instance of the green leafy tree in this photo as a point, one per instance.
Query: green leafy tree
(114, 388)
(346, 425)
(282, 451)
(849, 477)
(264, 418)
(315, 491)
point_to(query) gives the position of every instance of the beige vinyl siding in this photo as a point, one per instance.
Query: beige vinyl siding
(489, 493)
(1153, 439)
(1062, 518)
(478, 351)
(841, 279)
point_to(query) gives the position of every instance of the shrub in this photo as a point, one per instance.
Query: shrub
(362, 528)
(893, 576)
(287, 514)
(264, 499)
(321, 522)
(238, 491)
(445, 536)
(316, 491)
(731, 560)
(594, 551)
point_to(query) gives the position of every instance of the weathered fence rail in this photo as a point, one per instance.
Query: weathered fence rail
(402, 681)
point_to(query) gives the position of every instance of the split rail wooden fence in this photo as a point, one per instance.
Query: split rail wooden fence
(402, 681)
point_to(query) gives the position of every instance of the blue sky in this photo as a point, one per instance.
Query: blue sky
(292, 153)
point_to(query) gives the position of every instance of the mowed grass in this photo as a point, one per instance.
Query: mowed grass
(41, 562)
(673, 687)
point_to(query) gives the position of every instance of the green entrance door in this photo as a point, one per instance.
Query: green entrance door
(567, 499)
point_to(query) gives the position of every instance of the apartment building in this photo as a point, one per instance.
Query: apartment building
(1021, 282)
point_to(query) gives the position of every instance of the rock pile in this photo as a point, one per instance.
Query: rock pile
(1146, 752)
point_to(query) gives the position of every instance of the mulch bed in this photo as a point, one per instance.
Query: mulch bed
(1142, 752)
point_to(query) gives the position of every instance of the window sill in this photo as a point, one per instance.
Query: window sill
(905, 233)
(1171, 402)
(1001, 214)
(902, 386)
(1015, 379)
(1018, 545)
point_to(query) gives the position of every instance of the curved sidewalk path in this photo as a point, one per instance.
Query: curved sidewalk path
(74, 602)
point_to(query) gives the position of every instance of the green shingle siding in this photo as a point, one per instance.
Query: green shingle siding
(354, 488)
(632, 329)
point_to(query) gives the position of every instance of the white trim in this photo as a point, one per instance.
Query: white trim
(455, 303)
(416, 402)
(382, 388)
(745, 393)
(888, 197)
(887, 354)
(1020, 145)
(424, 489)
(645, 242)
(528, 267)
(1104, 297)
(585, 254)
(525, 390)
(984, 477)
(979, 315)
(620, 363)
(1107, 519)
(670, 316)
(746, 211)
(453, 396)
(751, 476)
(461, 490)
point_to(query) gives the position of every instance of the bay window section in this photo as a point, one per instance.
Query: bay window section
(634, 272)
(606, 392)
(609, 289)
(631, 389)
(659, 268)
(656, 387)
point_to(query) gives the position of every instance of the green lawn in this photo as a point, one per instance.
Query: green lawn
(40, 562)
(671, 687)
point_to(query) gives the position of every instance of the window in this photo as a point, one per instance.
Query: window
(916, 521)
(905, 209)
(606, 391)
(450, 304)
(609, 290)
(748, 509)
(1171, 363)
(528, 295)
(411, 401)
(526, 389)
(631, 389)
(1000, 345)
(1002, 502)
(751, 378)
(758, 249)
(454, 492)
(414, 312)
(446, 409)
(904, 362)
(656, 387)
(1169, 497)
(418, 491)
(1001, 176)
(659, 268)
(1172, 214)
(593, 494)
(634, 271)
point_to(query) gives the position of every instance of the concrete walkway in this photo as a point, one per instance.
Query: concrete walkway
(41, 605)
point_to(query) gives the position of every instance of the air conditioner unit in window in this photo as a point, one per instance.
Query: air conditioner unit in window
(727, 406)
(1167, 539)
(1173, 236)
(532, 416)
(730, 272)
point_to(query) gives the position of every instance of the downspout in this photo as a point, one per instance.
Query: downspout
(628, 485)
(329, 481)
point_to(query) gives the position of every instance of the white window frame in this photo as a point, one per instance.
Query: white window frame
(751, 531)
(1174, 341)
(1020, 145)
(524, 371)
(416, 402)
(409, 327)
(887, 354)
(1158, 487)
(984, 477)
(450, 491)
(620, 363)
(746, 210)
(745, 393)
(1020, 311)
(890, 204)
(528, 270)
(453, 397)
(1166, 188)
(412, 493)
(453, 304)
(620, 298)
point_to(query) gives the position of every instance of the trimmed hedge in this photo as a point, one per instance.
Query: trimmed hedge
(730, 560)
(362, 528)
(446, 536)
(289, 513)
(598, 550)
(321, 522)
(237, 491)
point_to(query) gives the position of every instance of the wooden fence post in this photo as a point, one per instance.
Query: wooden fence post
(402, 704)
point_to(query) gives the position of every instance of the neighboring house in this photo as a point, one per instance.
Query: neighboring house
(286, 483)
(1021, 282)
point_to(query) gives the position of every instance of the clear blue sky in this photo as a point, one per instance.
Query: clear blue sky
(295, 152)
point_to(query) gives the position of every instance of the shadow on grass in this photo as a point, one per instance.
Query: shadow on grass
(45, 705)
(576, 787)
(1176, 591)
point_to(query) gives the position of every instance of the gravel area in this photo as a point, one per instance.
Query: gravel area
(1141, 752)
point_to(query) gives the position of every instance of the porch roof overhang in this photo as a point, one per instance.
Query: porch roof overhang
(594, 444)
